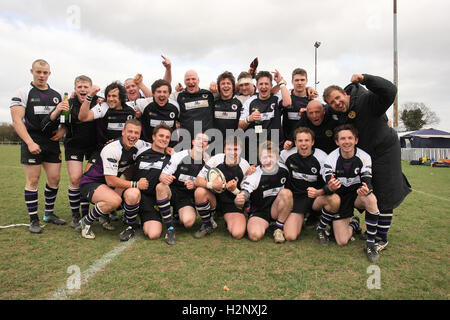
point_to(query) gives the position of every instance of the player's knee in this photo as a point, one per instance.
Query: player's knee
(200, 193)
(161, 188)
(341, 241)
(255, 235)
(290, 236)
(132, 196)
(237, 233)
(188, 221)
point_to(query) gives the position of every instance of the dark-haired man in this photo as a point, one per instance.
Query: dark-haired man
(35, 111)
(366, 110)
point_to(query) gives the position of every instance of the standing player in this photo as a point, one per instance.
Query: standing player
(35, 111)
(79, 143)
(366, 110)
(261, 114)
(196, 106)
(158, 110)
(227, 109)
(111, 114)
(177, 183)
(103, 186)
(305, 164)
(149, 163)
(245, 86)
(265, 190)
(208, 194)
(348, 172)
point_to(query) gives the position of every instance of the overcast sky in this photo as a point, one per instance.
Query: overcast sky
(114, 40)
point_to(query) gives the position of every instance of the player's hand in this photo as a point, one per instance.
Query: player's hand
(189, 184)
(231, 185)
(357, 78)
(363, 190)
(58, 134)
(169, 151)
(334, 184)
(34, 148)
(138, 113)
(240, 199)
(73, 95)
(312, 93)
(287, 145)
(302, 110)
(138, 78)
(314, 193)
(277, 76)
(94, 90)
(166, 179)
(60, 107)
(255, 116)
(213, 87)
(251, 170)
(142, 184)
(217, 184)
(179, 87)
(166, 62)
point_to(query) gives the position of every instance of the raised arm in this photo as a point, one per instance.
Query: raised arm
(86, 114)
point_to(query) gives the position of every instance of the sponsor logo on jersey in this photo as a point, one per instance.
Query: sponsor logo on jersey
(112, 160)
(31, 160)
(329, 133)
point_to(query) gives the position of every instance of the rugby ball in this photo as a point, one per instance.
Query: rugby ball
(213, 173)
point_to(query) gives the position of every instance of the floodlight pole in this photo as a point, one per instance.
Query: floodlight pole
(316, 45)
(395, 67)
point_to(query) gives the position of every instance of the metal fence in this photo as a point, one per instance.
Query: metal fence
(431, 153)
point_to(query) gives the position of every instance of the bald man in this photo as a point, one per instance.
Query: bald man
(196, 106)
(318, 118)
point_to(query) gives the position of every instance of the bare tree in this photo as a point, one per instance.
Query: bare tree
(415, 115)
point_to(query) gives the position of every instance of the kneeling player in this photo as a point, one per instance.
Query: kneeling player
(102, 184)
(305, 164)
(177, 183)
(265, 189)
(149, 164)
(207, 193)
(348, 172)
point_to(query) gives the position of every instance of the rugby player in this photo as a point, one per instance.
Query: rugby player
(79, 143)
(209, 194)
(268, 198)
(348, 172)
(35, 111)
(227, 109)
(366, 110)
(196, 106)
(103, 186)
(305, 164)
(158, 110)
(177, 185)
(149, 163)
(261, 113)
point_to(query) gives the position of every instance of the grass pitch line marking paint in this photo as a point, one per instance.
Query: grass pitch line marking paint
(63, 292)
(431, 195)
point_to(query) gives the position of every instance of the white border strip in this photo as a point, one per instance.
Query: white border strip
(63, 293)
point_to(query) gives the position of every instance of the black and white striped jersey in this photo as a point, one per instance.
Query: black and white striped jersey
(236, 172)
(38, 105)
(153, 115)
(184, 168)
(304, 172)
(264, 187)
(196, 107)
(270, 110)
(113, 160)
(227, 114)
(350, 172)
(111, 122)
(149, 165)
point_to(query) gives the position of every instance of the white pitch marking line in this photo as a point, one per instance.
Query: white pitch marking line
(431, 195)
(64, 293)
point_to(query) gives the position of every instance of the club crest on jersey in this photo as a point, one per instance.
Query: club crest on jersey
(129, 117)
(357, 170)
(56, 100)
(272, 106)
(329, 133)
(205, 95)
(234, 107)
(352, 114)
(283, 180)
(314, 170)
(172, 115)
